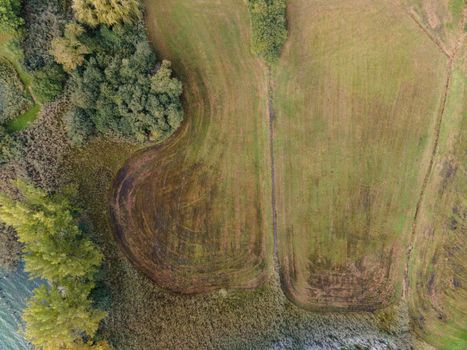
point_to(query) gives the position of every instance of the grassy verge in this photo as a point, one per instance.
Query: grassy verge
(437, 267)
(21, 122)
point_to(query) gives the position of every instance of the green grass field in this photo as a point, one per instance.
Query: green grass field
(357, 94)
(200, 203)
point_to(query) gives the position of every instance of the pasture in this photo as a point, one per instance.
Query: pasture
(357, 95)
(193, 213)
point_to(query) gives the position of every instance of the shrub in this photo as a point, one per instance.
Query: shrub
(43, 145)
(14, 99)
(43, 22)
(10, 248)
(78, 126)
(9, 148)
(269, 27)
(120, 90)
(48, 82)
(108, 12)
(10, 21)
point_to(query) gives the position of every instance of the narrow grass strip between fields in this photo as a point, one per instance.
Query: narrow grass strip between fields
(406, 284)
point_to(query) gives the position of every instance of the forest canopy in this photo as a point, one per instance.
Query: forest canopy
(120, 89)
(10, 20)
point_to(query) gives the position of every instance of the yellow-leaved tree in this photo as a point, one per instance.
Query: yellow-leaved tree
(68, 50)
(108, 12)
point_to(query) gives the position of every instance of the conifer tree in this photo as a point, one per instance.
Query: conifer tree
(54, 247)
(60, 314)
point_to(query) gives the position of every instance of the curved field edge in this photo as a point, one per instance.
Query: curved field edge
(437, 295)
(193, 212)
(357, 95)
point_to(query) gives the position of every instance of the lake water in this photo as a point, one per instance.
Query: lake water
(15, 289)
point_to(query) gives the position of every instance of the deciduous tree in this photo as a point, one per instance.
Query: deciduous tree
(57, 317)
(60, 315)
(10, 20)
(108, 12)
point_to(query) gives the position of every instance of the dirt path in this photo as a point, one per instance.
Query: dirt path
(271, 116)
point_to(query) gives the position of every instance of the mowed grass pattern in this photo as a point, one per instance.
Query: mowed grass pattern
(193, 213)
(357, 94)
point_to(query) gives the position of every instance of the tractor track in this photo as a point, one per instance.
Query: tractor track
(271, 116)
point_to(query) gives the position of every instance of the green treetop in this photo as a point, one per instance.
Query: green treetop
(55, 248)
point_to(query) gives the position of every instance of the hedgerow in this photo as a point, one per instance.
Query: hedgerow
(269, 27)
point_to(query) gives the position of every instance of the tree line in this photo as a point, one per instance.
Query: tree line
(93, 69)
(60, 314)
